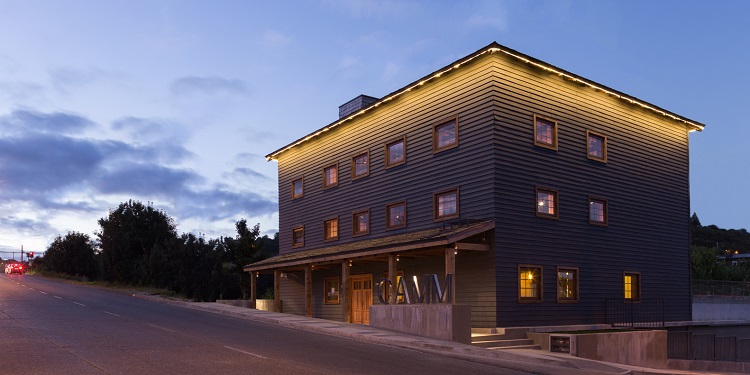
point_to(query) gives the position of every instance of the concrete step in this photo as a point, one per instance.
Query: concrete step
(531, 346)
(502, 343)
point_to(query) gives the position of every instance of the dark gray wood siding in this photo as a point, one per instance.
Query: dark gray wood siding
(497, 167)
(466, 167)
(645, 182)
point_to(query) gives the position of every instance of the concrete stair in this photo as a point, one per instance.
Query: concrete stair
(509, 339)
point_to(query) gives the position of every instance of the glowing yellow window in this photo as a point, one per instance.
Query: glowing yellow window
(631, 284)
(530, 283)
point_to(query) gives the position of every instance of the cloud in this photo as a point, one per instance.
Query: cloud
(209, 86)
(144, 179)
(21, 92)
(246, 173)
(34, 121)
(220, 203)
(24, 225)
(152, 130)
(275, 38)
(65, 78)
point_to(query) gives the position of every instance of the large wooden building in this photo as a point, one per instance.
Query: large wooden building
(543, 193)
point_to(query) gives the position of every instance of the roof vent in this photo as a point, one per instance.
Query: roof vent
(354, 105)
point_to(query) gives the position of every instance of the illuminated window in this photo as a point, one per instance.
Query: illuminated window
(529, 283)
(597, 211)
(446, 204)
(567, 284)
(331, 229)
(297, 188)
(330, 176)
(632, 284)
(361, 165)
(298, 237)
(445, 135)
(545, 132)
(546, 203)
(361, 223)
(596, 146)
(332, 286)
(396, 215)
(395, 153)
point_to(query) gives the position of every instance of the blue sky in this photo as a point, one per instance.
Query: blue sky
(177, 102)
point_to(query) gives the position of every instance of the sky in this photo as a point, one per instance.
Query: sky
(175, 103)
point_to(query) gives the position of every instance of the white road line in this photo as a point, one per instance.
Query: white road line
(42, 292)
(107, 312)
(58, 297)
(79, 304)
(248, 353)
(166, 329)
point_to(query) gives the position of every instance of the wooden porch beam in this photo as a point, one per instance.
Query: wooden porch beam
(472, 246)
(308, 290)
(253, 289)
(277, 290)
(346, 313)
(450, 268)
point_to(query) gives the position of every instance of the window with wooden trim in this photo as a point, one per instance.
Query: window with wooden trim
(361, 223)
(298, 188)
(331, 229)
(445, 205)
(545, 132)
(395, 215)
(598, 211)
(298, 237)
(529, 283)
(445, 135)
(567, 284)
(596, 146)
(632, 286)
(332, 287)
(395, 152)
(546, 203)
(361, 165)
(331, 176)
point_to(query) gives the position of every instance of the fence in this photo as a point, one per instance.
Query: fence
(642, 313)
(707, 347)
(721, 288)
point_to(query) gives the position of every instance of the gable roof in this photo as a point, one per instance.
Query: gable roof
(493, 47)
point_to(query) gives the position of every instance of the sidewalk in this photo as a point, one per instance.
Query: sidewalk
(537, 361)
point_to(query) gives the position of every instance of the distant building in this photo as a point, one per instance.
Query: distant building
(542, 192)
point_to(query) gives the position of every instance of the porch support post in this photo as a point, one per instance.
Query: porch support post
(346, 313)
(253, 289)
(450, 268)
(392, 275)
(308, 290)
(277, 291)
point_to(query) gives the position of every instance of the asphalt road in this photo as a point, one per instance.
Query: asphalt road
(52, 327)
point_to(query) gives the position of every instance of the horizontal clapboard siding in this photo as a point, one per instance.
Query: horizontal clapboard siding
(466, 167)
(645, 182)
(497, 168)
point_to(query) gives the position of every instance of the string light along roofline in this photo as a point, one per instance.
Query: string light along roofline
(494, 47)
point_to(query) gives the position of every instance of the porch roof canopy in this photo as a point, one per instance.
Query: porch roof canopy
(434, 237)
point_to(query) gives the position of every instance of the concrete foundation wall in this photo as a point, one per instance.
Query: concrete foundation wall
(260, 304)
(644, 348)
(706, 308)
(441, 321)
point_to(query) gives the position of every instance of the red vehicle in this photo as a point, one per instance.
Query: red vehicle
(15, 268)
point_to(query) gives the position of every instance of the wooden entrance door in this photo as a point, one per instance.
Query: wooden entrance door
(361, 298)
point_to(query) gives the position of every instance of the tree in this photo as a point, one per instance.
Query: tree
(245, 248)
(127, 236)
(71, 255)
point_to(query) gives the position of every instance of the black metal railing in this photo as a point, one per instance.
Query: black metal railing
(641, 313)
(707, 347)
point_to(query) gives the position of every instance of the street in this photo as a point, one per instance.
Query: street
(53, 327)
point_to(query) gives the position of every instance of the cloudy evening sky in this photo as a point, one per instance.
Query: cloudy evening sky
(176, 102)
